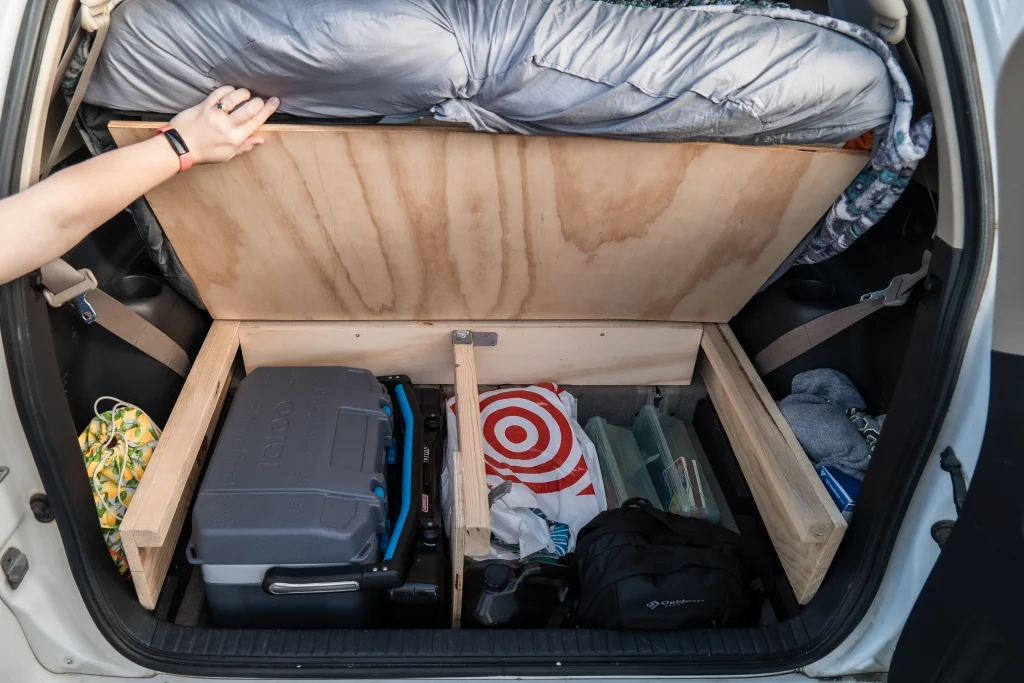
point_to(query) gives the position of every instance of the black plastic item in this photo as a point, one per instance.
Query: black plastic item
(640, 567)
(95, 362)
(41, 509)
(161, 305)
(419, 602)
(514, 595)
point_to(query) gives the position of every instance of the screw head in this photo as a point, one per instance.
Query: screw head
(69, 661)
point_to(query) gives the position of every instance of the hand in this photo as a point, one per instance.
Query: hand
(217, 134)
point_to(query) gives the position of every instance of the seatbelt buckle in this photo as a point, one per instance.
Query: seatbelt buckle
(900, 287)
(894, 294)
(75, 294)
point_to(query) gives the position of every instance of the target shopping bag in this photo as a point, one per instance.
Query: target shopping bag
(533, 442)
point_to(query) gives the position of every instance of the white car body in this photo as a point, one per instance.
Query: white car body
(47, 634)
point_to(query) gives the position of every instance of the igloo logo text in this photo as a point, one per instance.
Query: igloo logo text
(662, 604)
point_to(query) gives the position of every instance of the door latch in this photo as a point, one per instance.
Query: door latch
(14, 564)
(952, 465)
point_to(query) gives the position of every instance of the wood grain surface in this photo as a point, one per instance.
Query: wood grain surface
(475, 523)
(430, 223)
(804, 524)
(152, 524)
(527, 352)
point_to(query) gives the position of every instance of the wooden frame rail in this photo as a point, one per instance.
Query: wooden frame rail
(154, 520)
(804, 524)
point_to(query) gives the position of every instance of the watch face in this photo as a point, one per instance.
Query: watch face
(176, 141)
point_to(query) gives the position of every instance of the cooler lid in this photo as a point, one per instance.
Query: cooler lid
(297, 476)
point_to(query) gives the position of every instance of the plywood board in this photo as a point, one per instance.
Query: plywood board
(801, 519)
(154, 520)
(429, 223)
(527, 353)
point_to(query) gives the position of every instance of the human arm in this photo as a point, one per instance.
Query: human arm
(49, 218)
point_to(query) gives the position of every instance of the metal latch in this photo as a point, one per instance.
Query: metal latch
(15, 565)
(469, 337)
(952, 465)
(76, 295)
(900, 287)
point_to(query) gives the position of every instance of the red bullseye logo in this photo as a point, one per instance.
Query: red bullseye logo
(528, 440)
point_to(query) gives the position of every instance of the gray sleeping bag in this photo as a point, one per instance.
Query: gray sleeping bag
(529, 66)
(746, 72)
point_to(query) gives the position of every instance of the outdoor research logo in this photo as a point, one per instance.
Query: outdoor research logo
(655, 604)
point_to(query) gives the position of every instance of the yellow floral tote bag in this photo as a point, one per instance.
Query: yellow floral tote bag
(117, 446)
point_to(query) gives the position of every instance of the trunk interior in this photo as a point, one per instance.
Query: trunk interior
(882, 355)
(181, 629)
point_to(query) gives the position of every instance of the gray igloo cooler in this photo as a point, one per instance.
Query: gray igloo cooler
(291, 525)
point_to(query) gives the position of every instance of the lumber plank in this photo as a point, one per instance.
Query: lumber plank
(457, 550)
(475, 527)
(582, 353)
(154, 520)
(802, 521)
(433, 223)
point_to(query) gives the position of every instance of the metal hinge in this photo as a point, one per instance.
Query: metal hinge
(475, 338)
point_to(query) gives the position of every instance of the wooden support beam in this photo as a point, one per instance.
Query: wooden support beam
(472, 521)
(803, 522)
(154, 520)
(605, 353)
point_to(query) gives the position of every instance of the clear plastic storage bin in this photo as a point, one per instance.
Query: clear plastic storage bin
(622, 464)
(672, 464)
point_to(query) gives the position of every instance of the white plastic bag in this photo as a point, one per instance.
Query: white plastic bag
(532, 440)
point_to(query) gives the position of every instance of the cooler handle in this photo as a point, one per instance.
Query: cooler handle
(290, 588)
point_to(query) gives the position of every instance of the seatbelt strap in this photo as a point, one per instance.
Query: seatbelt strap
(63, 284)
(93, 17)
(807, 336)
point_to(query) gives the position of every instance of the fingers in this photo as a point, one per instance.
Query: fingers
(214, 135)
(230, 101)
(213, 98)
(260, 115)
(250, 144)
(242, 114)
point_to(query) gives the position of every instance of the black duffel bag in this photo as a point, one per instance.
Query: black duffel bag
(640, 567)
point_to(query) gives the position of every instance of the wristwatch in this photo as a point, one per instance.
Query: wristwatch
(178, 145)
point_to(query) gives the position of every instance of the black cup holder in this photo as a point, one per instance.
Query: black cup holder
(138, 287)
(810, 292)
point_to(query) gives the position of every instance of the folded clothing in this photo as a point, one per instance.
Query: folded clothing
(826, 413)
(540, 464)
